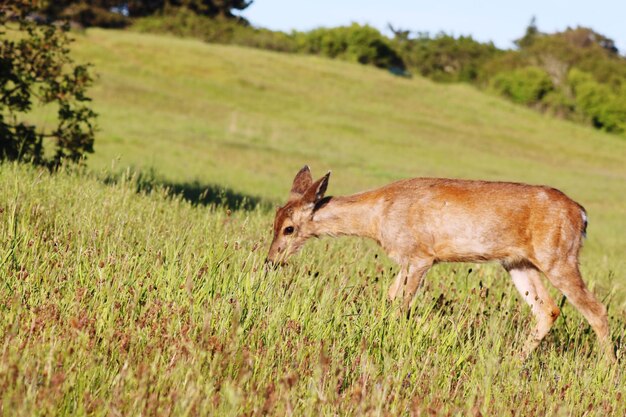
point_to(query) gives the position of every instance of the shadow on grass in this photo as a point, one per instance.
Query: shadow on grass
(194, 192)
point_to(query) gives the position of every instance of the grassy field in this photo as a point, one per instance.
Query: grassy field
(118, 301)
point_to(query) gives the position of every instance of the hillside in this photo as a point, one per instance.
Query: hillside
(248, 119)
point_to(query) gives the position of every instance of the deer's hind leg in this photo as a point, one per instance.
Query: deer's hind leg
(527, 280)
(566, 277)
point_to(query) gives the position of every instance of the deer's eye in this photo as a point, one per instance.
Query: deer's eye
(288, 230)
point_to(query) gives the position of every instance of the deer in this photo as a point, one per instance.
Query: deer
(530, 230)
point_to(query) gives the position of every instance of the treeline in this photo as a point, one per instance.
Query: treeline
(120, 13)
(577, 74)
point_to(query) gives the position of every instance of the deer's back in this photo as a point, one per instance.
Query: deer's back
(476, 220)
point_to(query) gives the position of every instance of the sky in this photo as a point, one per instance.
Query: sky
(499, 21)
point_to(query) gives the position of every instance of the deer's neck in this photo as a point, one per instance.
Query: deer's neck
(357, 215)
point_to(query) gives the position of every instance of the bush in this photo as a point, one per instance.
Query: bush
(560, 104)
(356, 43)
(186, 23)
(445, 58)
(36, 70)
(605, 108)
(525, 85)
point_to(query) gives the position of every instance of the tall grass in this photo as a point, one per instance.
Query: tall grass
(118, 302)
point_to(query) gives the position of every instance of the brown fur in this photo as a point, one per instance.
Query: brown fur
(422, 221)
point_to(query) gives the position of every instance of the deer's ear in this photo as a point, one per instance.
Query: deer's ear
(317, 190)
(301, 183)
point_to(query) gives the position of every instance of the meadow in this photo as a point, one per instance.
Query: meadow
(142, 290)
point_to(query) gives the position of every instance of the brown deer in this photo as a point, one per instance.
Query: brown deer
(423, 221)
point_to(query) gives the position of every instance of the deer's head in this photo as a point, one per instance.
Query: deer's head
(293, 221)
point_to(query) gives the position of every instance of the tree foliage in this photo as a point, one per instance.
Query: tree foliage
(532, 32)
(103, 13)
(604, 107)
(211, 8)
(186, 23)
(444, 57)
(118, 13)
(577, 73)
(37, 71)
(528, 85)
(357, 43)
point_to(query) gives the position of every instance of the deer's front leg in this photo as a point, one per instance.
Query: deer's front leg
(413, 281)
(397, 284)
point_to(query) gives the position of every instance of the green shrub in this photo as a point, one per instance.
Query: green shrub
(184, 22)
(356, 43)
(445, 58)
(525, 85)
(263, 39)
(604, 107)
(560, 104)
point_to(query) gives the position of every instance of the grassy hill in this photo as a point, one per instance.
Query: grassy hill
(248, 120)
(118, 302)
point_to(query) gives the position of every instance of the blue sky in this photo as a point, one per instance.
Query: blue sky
(499, 21)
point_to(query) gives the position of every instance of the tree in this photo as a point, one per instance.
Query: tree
(37, 71)
(532, 32)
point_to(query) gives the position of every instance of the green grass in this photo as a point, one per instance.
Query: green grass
(115, 301)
